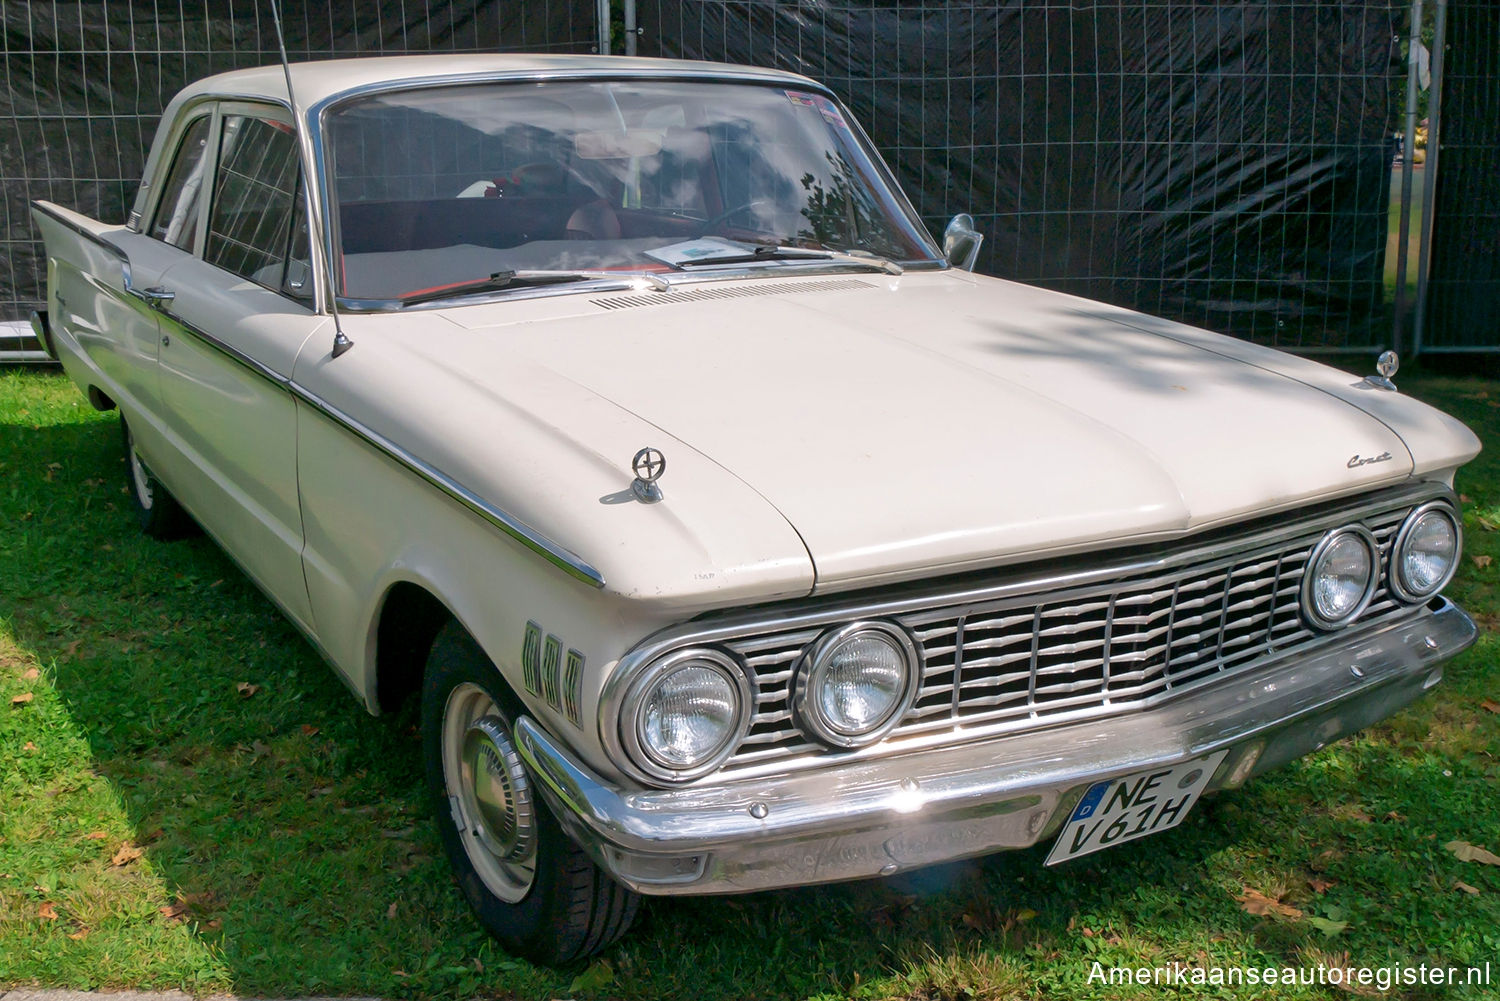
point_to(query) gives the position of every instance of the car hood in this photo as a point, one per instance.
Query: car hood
(947, 421)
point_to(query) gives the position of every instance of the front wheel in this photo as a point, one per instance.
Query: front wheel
(531, 887)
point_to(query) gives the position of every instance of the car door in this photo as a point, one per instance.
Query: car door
(117, 327)
(232, 320)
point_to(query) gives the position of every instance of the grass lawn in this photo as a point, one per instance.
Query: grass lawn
(189, 799)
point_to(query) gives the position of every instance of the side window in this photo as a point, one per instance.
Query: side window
(256, 227)
(177, 212)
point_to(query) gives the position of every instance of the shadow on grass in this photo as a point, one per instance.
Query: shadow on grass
(293, 831)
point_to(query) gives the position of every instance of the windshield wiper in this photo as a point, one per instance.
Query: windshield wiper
(769, 252)
(526, 279)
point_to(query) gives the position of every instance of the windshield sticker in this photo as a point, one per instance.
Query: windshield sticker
(696, 250)
(829, 110)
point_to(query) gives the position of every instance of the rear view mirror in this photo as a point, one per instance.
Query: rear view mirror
(961, 242)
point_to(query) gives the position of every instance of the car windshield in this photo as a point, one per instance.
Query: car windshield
(442, 189)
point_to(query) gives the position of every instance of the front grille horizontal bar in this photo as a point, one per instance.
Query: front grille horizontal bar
(1068, 652)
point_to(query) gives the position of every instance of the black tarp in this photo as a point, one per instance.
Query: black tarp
(1464, 291)
(1222, 163)
(86, 84)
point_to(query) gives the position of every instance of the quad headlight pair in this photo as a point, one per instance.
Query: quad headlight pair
(1344, 569)
(688, 711)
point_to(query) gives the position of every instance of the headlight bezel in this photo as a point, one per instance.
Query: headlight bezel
(806, 707)
(1395, 578)
(631, 719)
(1309, 577)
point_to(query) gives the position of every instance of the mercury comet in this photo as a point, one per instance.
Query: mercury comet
(731, 531)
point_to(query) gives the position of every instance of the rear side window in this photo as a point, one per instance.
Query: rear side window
(177, 212)
(255, 227)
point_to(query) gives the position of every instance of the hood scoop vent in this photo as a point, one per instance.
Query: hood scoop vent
(734, 292)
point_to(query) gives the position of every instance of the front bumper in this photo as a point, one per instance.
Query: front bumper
(882, 816)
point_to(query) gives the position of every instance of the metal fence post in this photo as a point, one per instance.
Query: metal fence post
(604, 25)
(1408, 165)
(1429, 182)
(630, 29)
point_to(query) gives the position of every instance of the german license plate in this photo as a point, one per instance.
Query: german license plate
(1120, 810)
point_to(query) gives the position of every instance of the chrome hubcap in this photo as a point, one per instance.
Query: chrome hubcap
(489, 793)
(496, 793)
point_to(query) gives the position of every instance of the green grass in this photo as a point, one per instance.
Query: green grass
(285, 833)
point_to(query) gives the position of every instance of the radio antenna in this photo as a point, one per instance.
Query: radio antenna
(341, 341)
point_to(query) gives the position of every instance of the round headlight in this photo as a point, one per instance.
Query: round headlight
(1426, 552)
(1340, 577)
(686, 714)
(856, 683)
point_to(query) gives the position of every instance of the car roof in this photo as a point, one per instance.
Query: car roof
(318, 82)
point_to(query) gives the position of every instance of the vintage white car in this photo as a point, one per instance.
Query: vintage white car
(732, 533)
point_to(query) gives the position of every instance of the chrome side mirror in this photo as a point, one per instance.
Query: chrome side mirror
(961, 242)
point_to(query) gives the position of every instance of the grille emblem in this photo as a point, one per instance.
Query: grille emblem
(649, 465)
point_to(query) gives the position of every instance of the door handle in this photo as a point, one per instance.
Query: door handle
(157, 296)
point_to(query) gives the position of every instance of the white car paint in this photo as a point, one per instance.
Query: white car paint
(818, 440)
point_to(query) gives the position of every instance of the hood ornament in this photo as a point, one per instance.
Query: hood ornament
(649, 465)
(1386, 365)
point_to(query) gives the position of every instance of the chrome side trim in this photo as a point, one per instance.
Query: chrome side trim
(560, 557)
(998, 586)
(555, 554)
(51, 211)
(227, 350)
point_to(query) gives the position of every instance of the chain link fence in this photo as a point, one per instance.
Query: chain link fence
(1463, 295)
(1223, 163)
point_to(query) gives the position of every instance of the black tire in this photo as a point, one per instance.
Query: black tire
(157, 511)
(571, 908)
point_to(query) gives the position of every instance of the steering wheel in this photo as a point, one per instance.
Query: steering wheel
(710, 225)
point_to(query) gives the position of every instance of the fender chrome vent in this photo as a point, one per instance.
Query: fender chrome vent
(549, 675)
(734, 292)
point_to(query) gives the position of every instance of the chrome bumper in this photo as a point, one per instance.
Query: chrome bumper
(882, 816)
(18, 345)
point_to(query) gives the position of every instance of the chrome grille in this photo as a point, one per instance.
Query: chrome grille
(1070, 653)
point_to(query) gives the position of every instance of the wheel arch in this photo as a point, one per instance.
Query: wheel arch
(99, 399)
(408, 619)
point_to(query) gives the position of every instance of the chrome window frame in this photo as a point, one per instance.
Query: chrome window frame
(278, 112)
(180, 128)
(317, 116)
